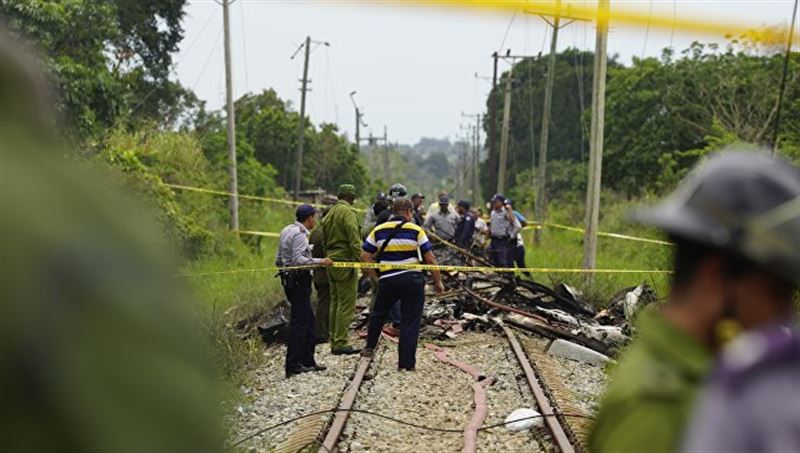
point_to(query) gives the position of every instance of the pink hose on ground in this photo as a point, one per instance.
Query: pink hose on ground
(479, 388)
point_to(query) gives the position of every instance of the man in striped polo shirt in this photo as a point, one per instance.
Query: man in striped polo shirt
(399, 241)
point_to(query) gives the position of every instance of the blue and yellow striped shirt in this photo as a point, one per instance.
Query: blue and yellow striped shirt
(406, 247)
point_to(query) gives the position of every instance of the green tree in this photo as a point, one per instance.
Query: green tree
(110, 59)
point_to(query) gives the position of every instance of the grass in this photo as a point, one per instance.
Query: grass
(564, 249)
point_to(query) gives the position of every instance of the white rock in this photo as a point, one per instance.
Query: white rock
(524, 418)
(572, 351)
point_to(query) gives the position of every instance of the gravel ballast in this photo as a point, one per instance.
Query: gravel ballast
(435, 395)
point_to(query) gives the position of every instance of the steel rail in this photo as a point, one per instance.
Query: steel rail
(330, 443)
(560, 436)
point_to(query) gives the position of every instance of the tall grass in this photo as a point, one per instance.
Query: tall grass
(564, 249)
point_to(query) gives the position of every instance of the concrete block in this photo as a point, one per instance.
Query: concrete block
(572, 351)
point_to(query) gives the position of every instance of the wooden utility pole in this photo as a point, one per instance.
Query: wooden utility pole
(475, 182)
(476, 179)
(491, 178)
(501, 171)
(233, 186)
(386, 173)
(540, 208)
(596, 139)
(301, 125)
(359, 120)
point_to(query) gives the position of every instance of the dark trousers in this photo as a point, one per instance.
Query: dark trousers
(323, 310)
(501, 252)
(409, 288)
(302, 326)
(519, 258)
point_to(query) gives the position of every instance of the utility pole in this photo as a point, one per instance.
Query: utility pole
(386, 175)
(233, 186)
(540, 208)
(359, 121)
(596, 139)
(475, 182)
(493, 155)
(501, 172)
(301, 125)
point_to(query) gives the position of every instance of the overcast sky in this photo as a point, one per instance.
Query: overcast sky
(413, 70)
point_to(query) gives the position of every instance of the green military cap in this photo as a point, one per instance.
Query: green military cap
(347, 189)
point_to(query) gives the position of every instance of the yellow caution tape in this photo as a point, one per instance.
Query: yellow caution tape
(259, 233)
(249, 197)
(434, 267)
(621, 14)
(539, 225)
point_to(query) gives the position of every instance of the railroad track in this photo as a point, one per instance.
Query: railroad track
(558, 432)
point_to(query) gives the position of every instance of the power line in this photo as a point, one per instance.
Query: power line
(208, 59)
(647, 29)
(674, 13)
(508, 29)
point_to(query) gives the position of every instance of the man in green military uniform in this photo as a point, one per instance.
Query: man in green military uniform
(342, 242)
(721, 221)
(321, 283)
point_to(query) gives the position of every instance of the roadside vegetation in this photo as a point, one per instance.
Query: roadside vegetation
(121, 110)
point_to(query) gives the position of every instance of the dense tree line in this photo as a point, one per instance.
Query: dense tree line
(662, 114)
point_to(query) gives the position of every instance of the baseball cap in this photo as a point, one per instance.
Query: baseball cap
(304, 211)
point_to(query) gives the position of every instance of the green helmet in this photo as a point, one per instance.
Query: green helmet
(745, 203)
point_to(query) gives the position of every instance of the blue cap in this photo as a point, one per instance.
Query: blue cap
(304, 211)
(498, 197)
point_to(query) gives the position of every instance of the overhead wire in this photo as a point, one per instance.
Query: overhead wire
(147, 95)
(208, 59)
(647, 29)
(508, 29)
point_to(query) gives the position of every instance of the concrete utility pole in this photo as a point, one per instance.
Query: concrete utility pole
(540, 208)
(596, 139)
(493, 155)
(501, 171)
(301, 125)
(233, 186)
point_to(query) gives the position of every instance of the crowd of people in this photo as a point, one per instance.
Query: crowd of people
(396, 229)
(682, 384)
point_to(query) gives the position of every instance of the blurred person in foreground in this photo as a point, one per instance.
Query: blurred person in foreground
(734, 222)
(294, 250)
(341, 241)
(752, 401)
(399, 241)
(98, 351)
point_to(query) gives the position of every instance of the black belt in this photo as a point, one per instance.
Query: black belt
(502, 238)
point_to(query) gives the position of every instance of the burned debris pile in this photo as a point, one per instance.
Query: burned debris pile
(479, 301)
